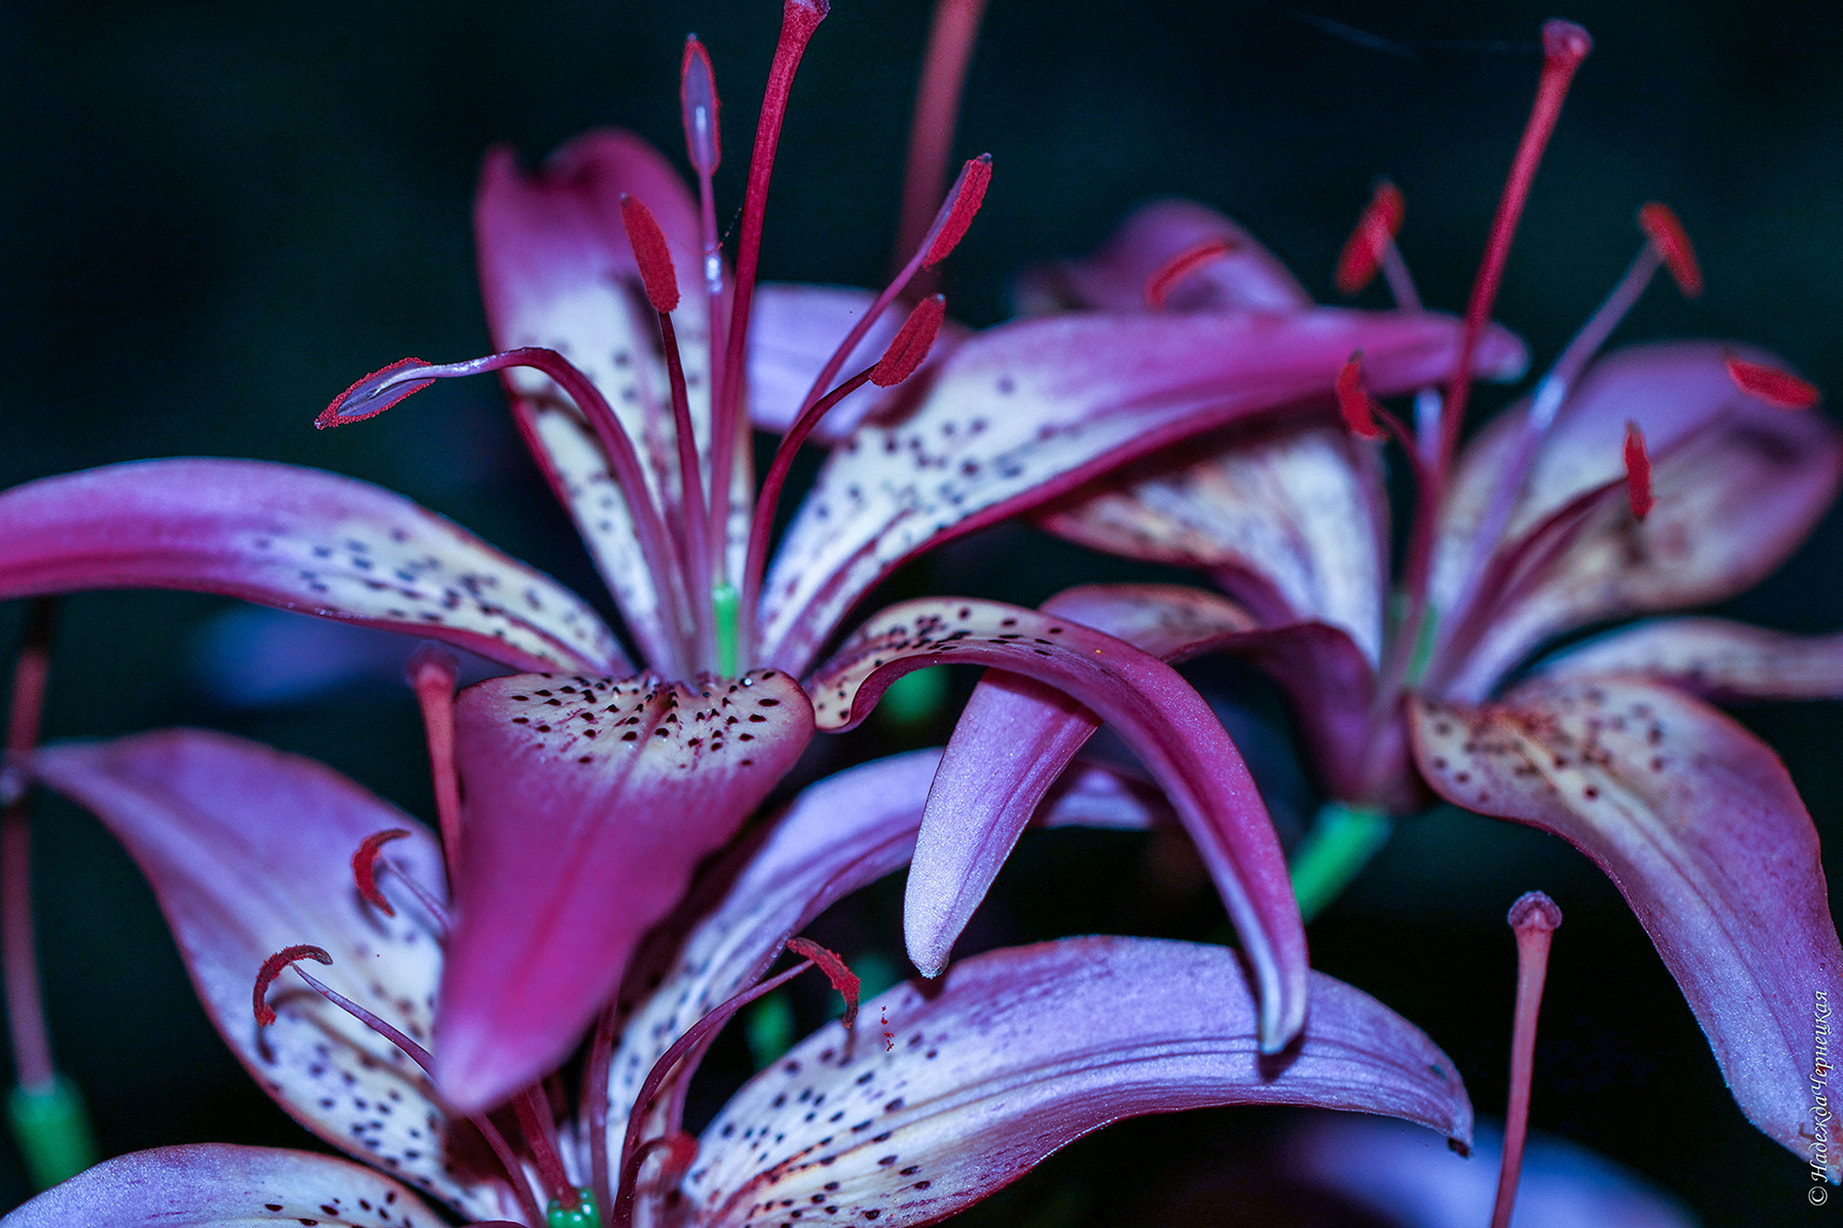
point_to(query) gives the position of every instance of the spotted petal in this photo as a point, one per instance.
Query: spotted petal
(1023, 1051)
(1032, 409)
(841, 834)
(588, 804)
(1738, 484)
(795, 329)
(1167, 724)
(295, 538)
(1714, 658)
(1115, 277)
(1698, 825)
(1291, 521)
(221, 1186)
(1016, 735)
(249, 851)
(557, 270)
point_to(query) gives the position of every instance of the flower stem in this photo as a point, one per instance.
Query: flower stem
(52, 1129)
(1340, 843)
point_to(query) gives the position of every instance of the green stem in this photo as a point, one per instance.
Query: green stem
(724, 603)
(52, 1130)
(1340, 843)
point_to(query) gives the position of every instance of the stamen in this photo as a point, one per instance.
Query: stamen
(651, 253)
(957, 214)
(906, 352)
(1777, 388)
(843, 979)
(937, 105)
(1534, 918)
(1359, 409)
(1364, 251)
(365, 870)
(535, 1124)
(272, 968)
(912, 342)
(431, 671)
(655, 261)
(1637, 471)
(1671, 242)
(372, 395)
(1564, 46)
(697, 101)
(1159, 285)
(384, 388)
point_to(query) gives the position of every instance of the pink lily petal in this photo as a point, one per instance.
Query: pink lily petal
(1714, 658)
(557, 270)
(218, 1184)
(1030, 410)
(1021, 1052)
(1293, 522)
(1115, 277)
(1738, 484)
(1015, 735)
(249, 851)
(1165, 722)
(295, 538)
(1411, 1181)
(587, 805)
(1697, 824)
(792, 334)
(839, 835)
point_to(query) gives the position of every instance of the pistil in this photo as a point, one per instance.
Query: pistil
(1534, 918)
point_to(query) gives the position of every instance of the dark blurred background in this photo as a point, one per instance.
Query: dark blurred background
(213, 217)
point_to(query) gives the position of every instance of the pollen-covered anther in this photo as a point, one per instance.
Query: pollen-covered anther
(697, 98)
(963, 202)
(909, 349)
(1776, 387)
(1159, 285)
(651, 253)
(375, 393)
(1637, 477)
(1358, 407)
(1364, 251)
(272, 968)
(1671, 243)
(843, 979)
(365, 868)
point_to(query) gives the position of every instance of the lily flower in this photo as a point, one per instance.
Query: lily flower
(1658, 477)
(934, 1099)
(601, 789)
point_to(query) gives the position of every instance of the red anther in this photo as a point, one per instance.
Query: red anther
(1637, 476)
(911, 344)
(1369, 242)
(365, 868)
(967, 195)
(652, 254)
(697, 99)
(1354, 402)
(372, 395)
(1671, 242)
(843, 979)
(272, 968)
(1776, 387)
(1158, 286)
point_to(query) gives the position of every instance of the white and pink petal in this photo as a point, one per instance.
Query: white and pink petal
(249, 851)
(222, 1186)
(587, 804)
(1698, 825)
(1712, 657)
(298, 539)
(1021, 1051)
